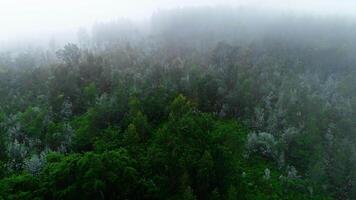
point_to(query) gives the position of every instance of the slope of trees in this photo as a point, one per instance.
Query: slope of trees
(190, 155)
(205, 113)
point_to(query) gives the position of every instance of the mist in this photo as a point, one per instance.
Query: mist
(24, 22)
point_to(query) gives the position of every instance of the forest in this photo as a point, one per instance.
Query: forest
(200, 103)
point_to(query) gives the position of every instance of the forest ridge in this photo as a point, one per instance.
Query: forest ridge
(204, 104)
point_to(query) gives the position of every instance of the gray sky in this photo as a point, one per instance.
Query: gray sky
(21, 18)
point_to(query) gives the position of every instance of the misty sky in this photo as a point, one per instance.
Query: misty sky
(21, 18)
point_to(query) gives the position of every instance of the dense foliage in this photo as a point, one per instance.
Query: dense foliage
(189, 155)
(190, 110)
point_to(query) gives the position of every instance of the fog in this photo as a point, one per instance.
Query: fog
(26, 21)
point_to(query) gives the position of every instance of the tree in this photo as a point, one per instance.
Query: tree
(70, 54)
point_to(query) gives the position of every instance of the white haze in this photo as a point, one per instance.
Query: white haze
(26, 20)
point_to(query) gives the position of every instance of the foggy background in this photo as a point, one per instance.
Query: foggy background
(25, 22)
